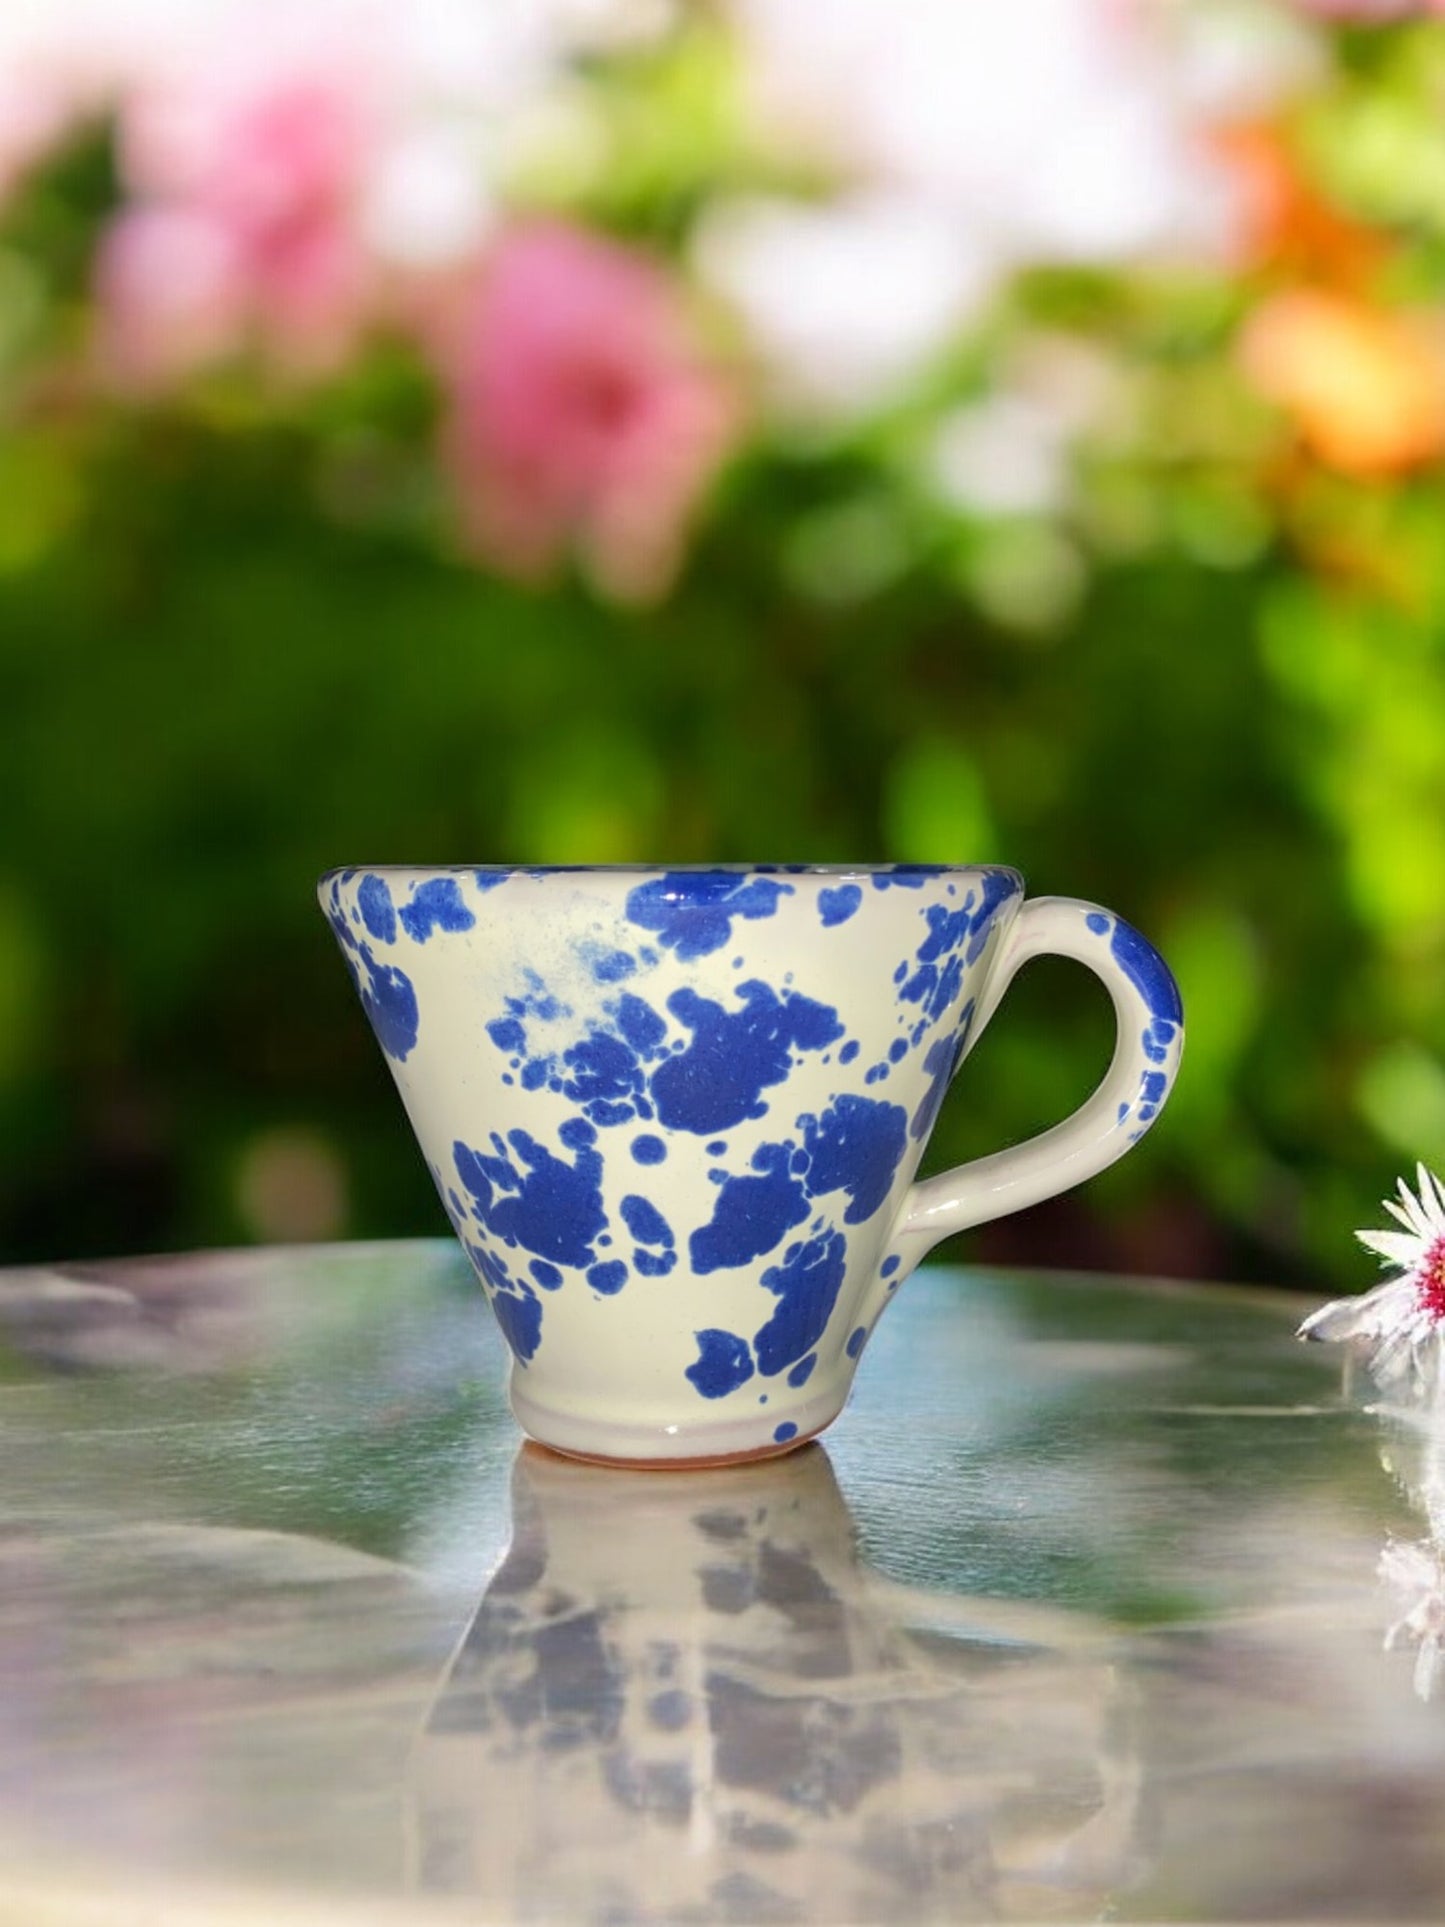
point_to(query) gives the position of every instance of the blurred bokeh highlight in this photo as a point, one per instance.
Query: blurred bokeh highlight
(603, 430)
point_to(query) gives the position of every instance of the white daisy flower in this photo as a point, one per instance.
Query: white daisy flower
(1400, 1325)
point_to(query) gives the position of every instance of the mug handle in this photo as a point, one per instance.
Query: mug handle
(1135, 1087)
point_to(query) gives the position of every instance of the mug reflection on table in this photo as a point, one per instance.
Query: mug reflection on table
(676, 1117)
(683, 1697)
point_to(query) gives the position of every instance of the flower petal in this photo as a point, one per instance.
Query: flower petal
(1407, 1218)
(1400, 1248)
(1432, 1198)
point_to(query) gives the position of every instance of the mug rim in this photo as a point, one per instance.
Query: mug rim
(538, 871)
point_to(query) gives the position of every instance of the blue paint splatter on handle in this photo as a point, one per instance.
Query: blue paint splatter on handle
(1152, 1086)
(1147, 971)
(1157, 1039)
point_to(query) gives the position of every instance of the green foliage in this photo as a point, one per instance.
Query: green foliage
(213, 688)
(238, 645)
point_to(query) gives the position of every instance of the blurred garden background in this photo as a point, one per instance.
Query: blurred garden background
(590, 430)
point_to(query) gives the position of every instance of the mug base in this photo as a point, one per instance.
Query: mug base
(706, 1462)
(613, 1437)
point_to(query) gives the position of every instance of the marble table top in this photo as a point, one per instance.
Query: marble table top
(1077, 1611)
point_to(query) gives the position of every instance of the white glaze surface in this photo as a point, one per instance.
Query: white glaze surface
(675, 1117)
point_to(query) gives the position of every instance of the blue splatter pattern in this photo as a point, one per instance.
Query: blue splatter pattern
(752, 1213)
(378, 912)
(435, 905)
(723, 1363)
(806, 1285)
(524, 1195)
(617, 1047)
(387, 994)
(735, 1055)
(1153, 980)
(652, 1104)
(836, 906)
(692, 911)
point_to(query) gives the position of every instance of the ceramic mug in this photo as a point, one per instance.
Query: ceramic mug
(675, 1116)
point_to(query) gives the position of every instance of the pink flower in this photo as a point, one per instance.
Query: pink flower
(582, 411)
(241, 226)
(172, 292)
(1399, 1327)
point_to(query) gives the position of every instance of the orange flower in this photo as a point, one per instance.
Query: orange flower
(1366, 388)
(1284, 221)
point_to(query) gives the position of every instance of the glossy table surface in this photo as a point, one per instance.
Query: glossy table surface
(1076, 1612)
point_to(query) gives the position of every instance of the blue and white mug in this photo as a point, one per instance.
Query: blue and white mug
(675, 1115)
